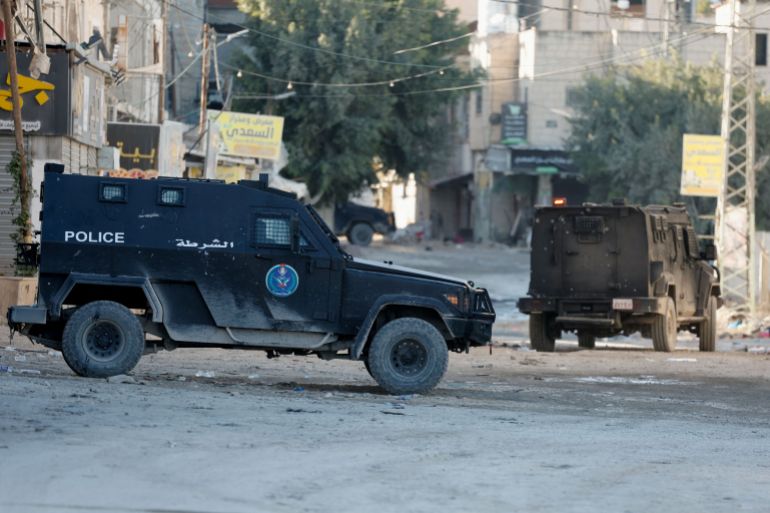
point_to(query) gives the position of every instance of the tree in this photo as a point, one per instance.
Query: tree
(337, 136)
(628, 125)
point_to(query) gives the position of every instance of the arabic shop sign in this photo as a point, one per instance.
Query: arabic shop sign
(45, 102)
(513, 124)
(137, 143)
(248, 135)
(542, 161)
(703, 162)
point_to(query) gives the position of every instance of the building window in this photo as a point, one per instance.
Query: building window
(572, 97)
(550, 123)
(479, 101)
(760, 57)
(633, 8)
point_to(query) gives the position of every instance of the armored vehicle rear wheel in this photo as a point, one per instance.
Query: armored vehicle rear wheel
(707, 331)
(664, 328)
(102, 339)
(360, 234)
(408, 356)
(586, 340)
(540, 336)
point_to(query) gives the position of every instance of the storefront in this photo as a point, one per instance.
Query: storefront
(520, 180)
(63, 115)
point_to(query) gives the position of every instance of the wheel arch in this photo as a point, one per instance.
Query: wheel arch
(84, 288)
(394, 307)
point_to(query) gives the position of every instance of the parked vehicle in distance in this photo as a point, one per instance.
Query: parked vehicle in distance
(359, 223)
(201, 263)
(604, 270)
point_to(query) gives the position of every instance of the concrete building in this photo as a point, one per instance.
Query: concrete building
(509, 153)
(64, 108)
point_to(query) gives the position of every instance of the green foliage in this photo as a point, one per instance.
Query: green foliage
(338, 137)
(20, 206)
(22, 220)
(628, 125)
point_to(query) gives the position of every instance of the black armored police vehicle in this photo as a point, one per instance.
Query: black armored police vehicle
(603, 270)
(203, 263)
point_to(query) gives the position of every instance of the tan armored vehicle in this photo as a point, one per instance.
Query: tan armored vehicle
(604, 270)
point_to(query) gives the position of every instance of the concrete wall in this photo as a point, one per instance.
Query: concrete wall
(497, 55)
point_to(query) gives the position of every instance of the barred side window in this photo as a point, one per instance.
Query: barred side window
(272, 231)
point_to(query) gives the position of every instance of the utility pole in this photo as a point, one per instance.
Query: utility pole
(10, 50)
(735, 207)
(672, 24)
(162, 77)
(204, 79)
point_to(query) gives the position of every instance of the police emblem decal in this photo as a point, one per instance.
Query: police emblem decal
(282, 280)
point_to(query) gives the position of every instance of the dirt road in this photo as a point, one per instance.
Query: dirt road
(618, 429)
(515, 431)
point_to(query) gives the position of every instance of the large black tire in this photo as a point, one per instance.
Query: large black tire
(586, 340)
(707, 331)
(102, 339)
(408, 356)
(665, 328)
(360, 234)
(540, 337)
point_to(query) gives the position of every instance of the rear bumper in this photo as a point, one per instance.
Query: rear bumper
(591, 312)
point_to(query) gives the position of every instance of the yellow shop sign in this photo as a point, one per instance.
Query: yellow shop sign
(248, 135)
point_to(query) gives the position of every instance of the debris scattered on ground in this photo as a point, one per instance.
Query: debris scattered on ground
(122, 379)
(301, 410)
(205, 374)
(387, 412)
(20, 358)
(253, 376)
(757, 349)
(10, 348)
(681, 360)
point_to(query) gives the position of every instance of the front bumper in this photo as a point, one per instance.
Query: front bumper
(477, 331)
(476, 327)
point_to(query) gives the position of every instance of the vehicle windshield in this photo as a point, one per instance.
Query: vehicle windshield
(329, 233)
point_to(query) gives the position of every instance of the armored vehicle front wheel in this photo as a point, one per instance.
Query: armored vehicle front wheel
(707, 331)
(407, 356)
(540, 335)
(665, 328)
(102, 339)
(586, 340)
(360, 234)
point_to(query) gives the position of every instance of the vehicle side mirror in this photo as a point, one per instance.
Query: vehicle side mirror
(710, 253)
(295, 234)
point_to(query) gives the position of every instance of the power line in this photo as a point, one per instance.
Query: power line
(628, 57)
(576, 9)
(304, 46)
(434, 43)
(390, 82)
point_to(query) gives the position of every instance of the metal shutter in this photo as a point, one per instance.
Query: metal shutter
(7, 213)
